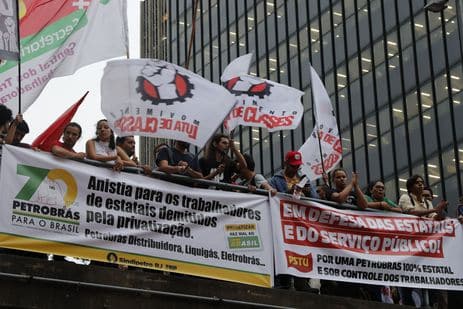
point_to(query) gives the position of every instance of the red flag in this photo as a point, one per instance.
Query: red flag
(53, 133)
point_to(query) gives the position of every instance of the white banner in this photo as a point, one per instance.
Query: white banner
(57, 38)
(260, 102)
(316, 241)
(53, 205)
(155, 98)
(327, 137)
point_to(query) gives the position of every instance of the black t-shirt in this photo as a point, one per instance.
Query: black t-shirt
(351, 198)
(173, 156)
(207, 166)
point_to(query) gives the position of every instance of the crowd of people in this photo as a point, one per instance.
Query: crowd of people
(223, 162)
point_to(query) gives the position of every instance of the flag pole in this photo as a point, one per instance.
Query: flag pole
(187, 63)
(19, 56)
(192, 36)
(316, 119)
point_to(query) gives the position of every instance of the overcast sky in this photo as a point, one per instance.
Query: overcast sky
(62, 92)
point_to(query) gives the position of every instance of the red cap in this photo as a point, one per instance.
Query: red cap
(293, 158)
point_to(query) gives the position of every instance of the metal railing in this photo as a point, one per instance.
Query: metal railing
(203, 183)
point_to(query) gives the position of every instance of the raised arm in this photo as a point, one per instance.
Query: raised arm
(239, 156)
(361, 201)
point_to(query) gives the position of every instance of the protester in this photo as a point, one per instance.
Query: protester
(216, 164)
(6, 116)
(156, 151)
(375, 196)
(178, 160)
(343, 192)
(125, 147)
(414, 203)
(65, 149)
(428, 194)
(285, 180)
(322, 191)
(248, 177)
(16, 132)
(348, 193)
(103, 148)
(460, 209)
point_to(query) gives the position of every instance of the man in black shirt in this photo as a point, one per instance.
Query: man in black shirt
(178, 160)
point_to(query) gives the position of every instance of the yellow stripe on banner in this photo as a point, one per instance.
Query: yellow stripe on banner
(124, 258)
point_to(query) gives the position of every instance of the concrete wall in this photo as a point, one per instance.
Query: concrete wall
(33, 282)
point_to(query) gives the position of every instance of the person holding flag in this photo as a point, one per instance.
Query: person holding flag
(16, 132)
(288, 178)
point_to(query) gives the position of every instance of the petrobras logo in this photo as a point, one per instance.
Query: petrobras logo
(45, 200)
(55, 187)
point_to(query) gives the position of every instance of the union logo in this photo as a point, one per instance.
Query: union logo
(249, 85)
(302, 263)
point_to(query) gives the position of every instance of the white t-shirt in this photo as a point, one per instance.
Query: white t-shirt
(406, 204)
(102, 148)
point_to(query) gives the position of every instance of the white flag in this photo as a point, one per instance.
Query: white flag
(57, 38)
(260, 102)
(155, 98)
(328, 133)
(8, 30)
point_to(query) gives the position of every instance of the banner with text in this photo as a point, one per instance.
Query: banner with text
(155, 98)
(53, 205)
(316, 241)
(57, 38)
(260, 102)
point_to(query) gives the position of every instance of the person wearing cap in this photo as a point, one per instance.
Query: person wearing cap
(285, 180)
(178, 160)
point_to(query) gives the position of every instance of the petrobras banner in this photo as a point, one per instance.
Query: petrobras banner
(59, 206)
(57, 38)
(260, 102)
(155, 98)
(316, 241)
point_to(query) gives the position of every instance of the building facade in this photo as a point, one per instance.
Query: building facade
(393, 71)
